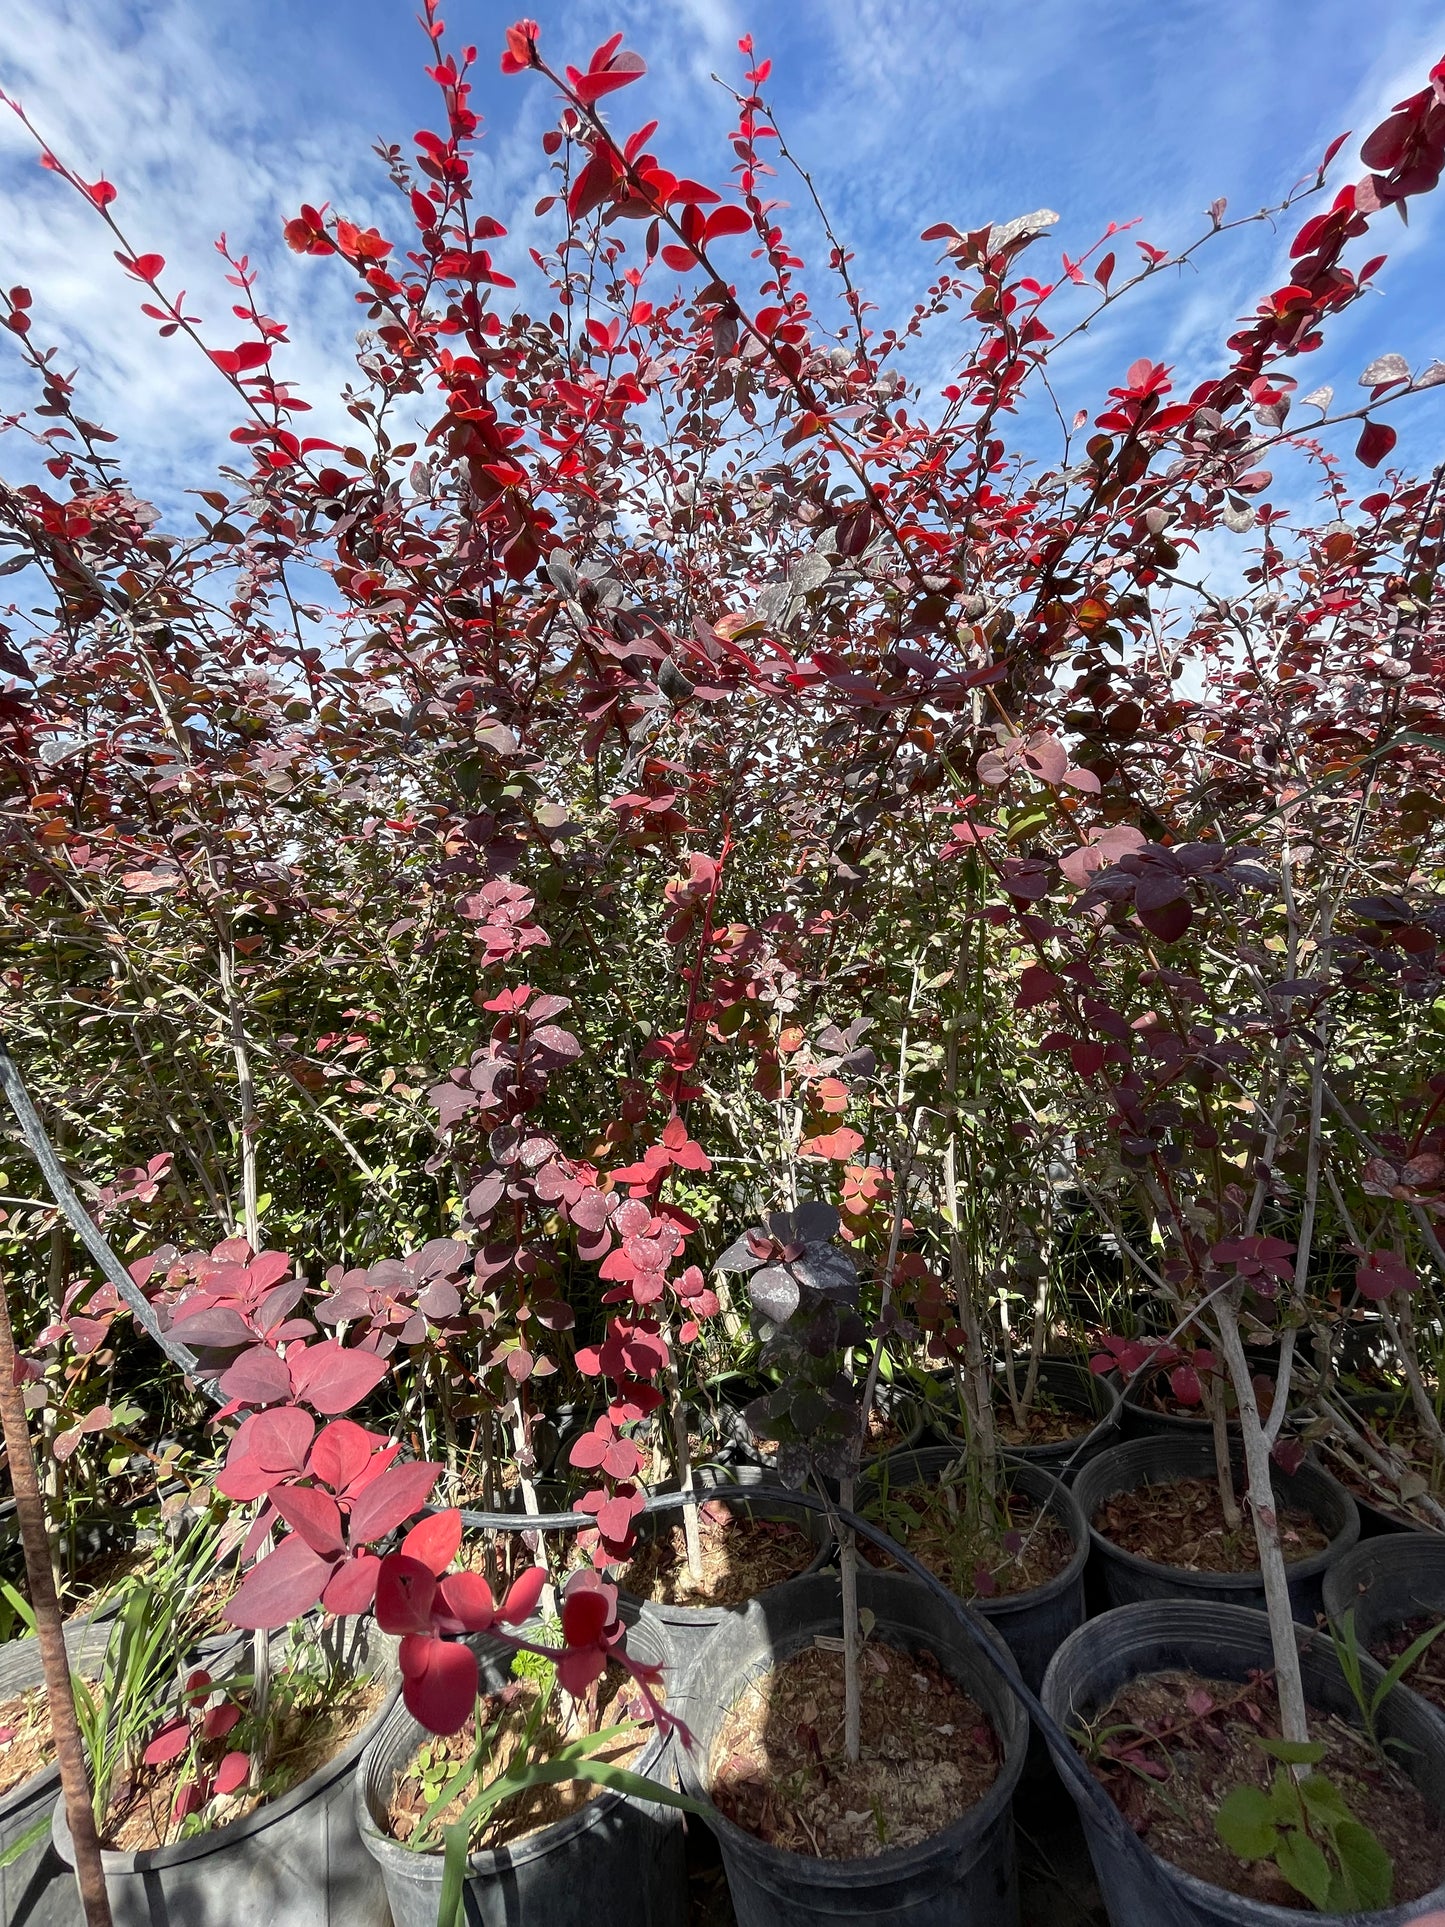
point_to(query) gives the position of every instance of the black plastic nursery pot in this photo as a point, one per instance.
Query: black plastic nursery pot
(1139, 1888)
(1386, 1582)
(745, 1489)
(615, 1862)
(1141, 1420)
(1379, 1516)
(296, 1862)
(965, 1875)
(37, 1888)
(1068, 1383)
(1127, 1578)
(1032, 1624)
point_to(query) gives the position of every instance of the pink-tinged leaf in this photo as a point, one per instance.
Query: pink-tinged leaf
(212, 1328)
(169, 1744)
(352, 1587)
(233, 1772)
(435, 1541)
(589, 1451)
(332, 1378)
(282, 1586)
(1199, 1702)
(522, 1596)
(259, 1534)
(279, 1440)
(267, 1269)
(1376, 441)
(468, 1600)
(314, 1514)
(218, 1721)
(579, 1667)
(258, 1377)
(984, 1583)
(389, 1501)
(405, 1591)
(343, 1452)
(439, 1682)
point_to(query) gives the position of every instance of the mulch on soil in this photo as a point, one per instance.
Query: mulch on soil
(304, 1741)
(1023, 1548)
(615, 1698)
(778, 1767)
(1181, 1523)
(741, 1557)
(1190, 1740)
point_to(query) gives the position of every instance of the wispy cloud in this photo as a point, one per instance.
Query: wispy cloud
(905, 111)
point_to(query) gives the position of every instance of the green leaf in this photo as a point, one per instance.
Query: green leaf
(454, 1877)
(1323, 1798)
(20, 1606)
(31, 1837)
(1245, 1823)
(1305, 1868)
(1294, 1752)
(1365, 1866)
(1402, 1665)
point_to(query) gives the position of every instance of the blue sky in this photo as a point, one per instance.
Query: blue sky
(210, 117)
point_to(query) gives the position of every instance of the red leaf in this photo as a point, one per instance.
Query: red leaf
(169, 1744)
(394, 1497)
(314, 1514)
(232, 1772)
(1376, 441)
(405, 1590)
(468, 1599)
(342, 1453)
(439, 1682)
(258, 1377)
(1184, 1382)
(434, 1542)
(590, 87)
(680, 258)
(727, 220)
(522, 1596)
(218, 1721)
(352, 1587)
(279, 1440)
(332, 1378)
(591, 187)
(285, 1584)
(585, 1614)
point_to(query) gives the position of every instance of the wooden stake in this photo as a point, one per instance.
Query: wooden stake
(50, 1632)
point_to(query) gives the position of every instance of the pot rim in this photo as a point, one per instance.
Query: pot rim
(388, 1851)
(1262, 1913)
(1058, 1499)
(894, 1863)
(1224, 1582)
(217, 1839)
